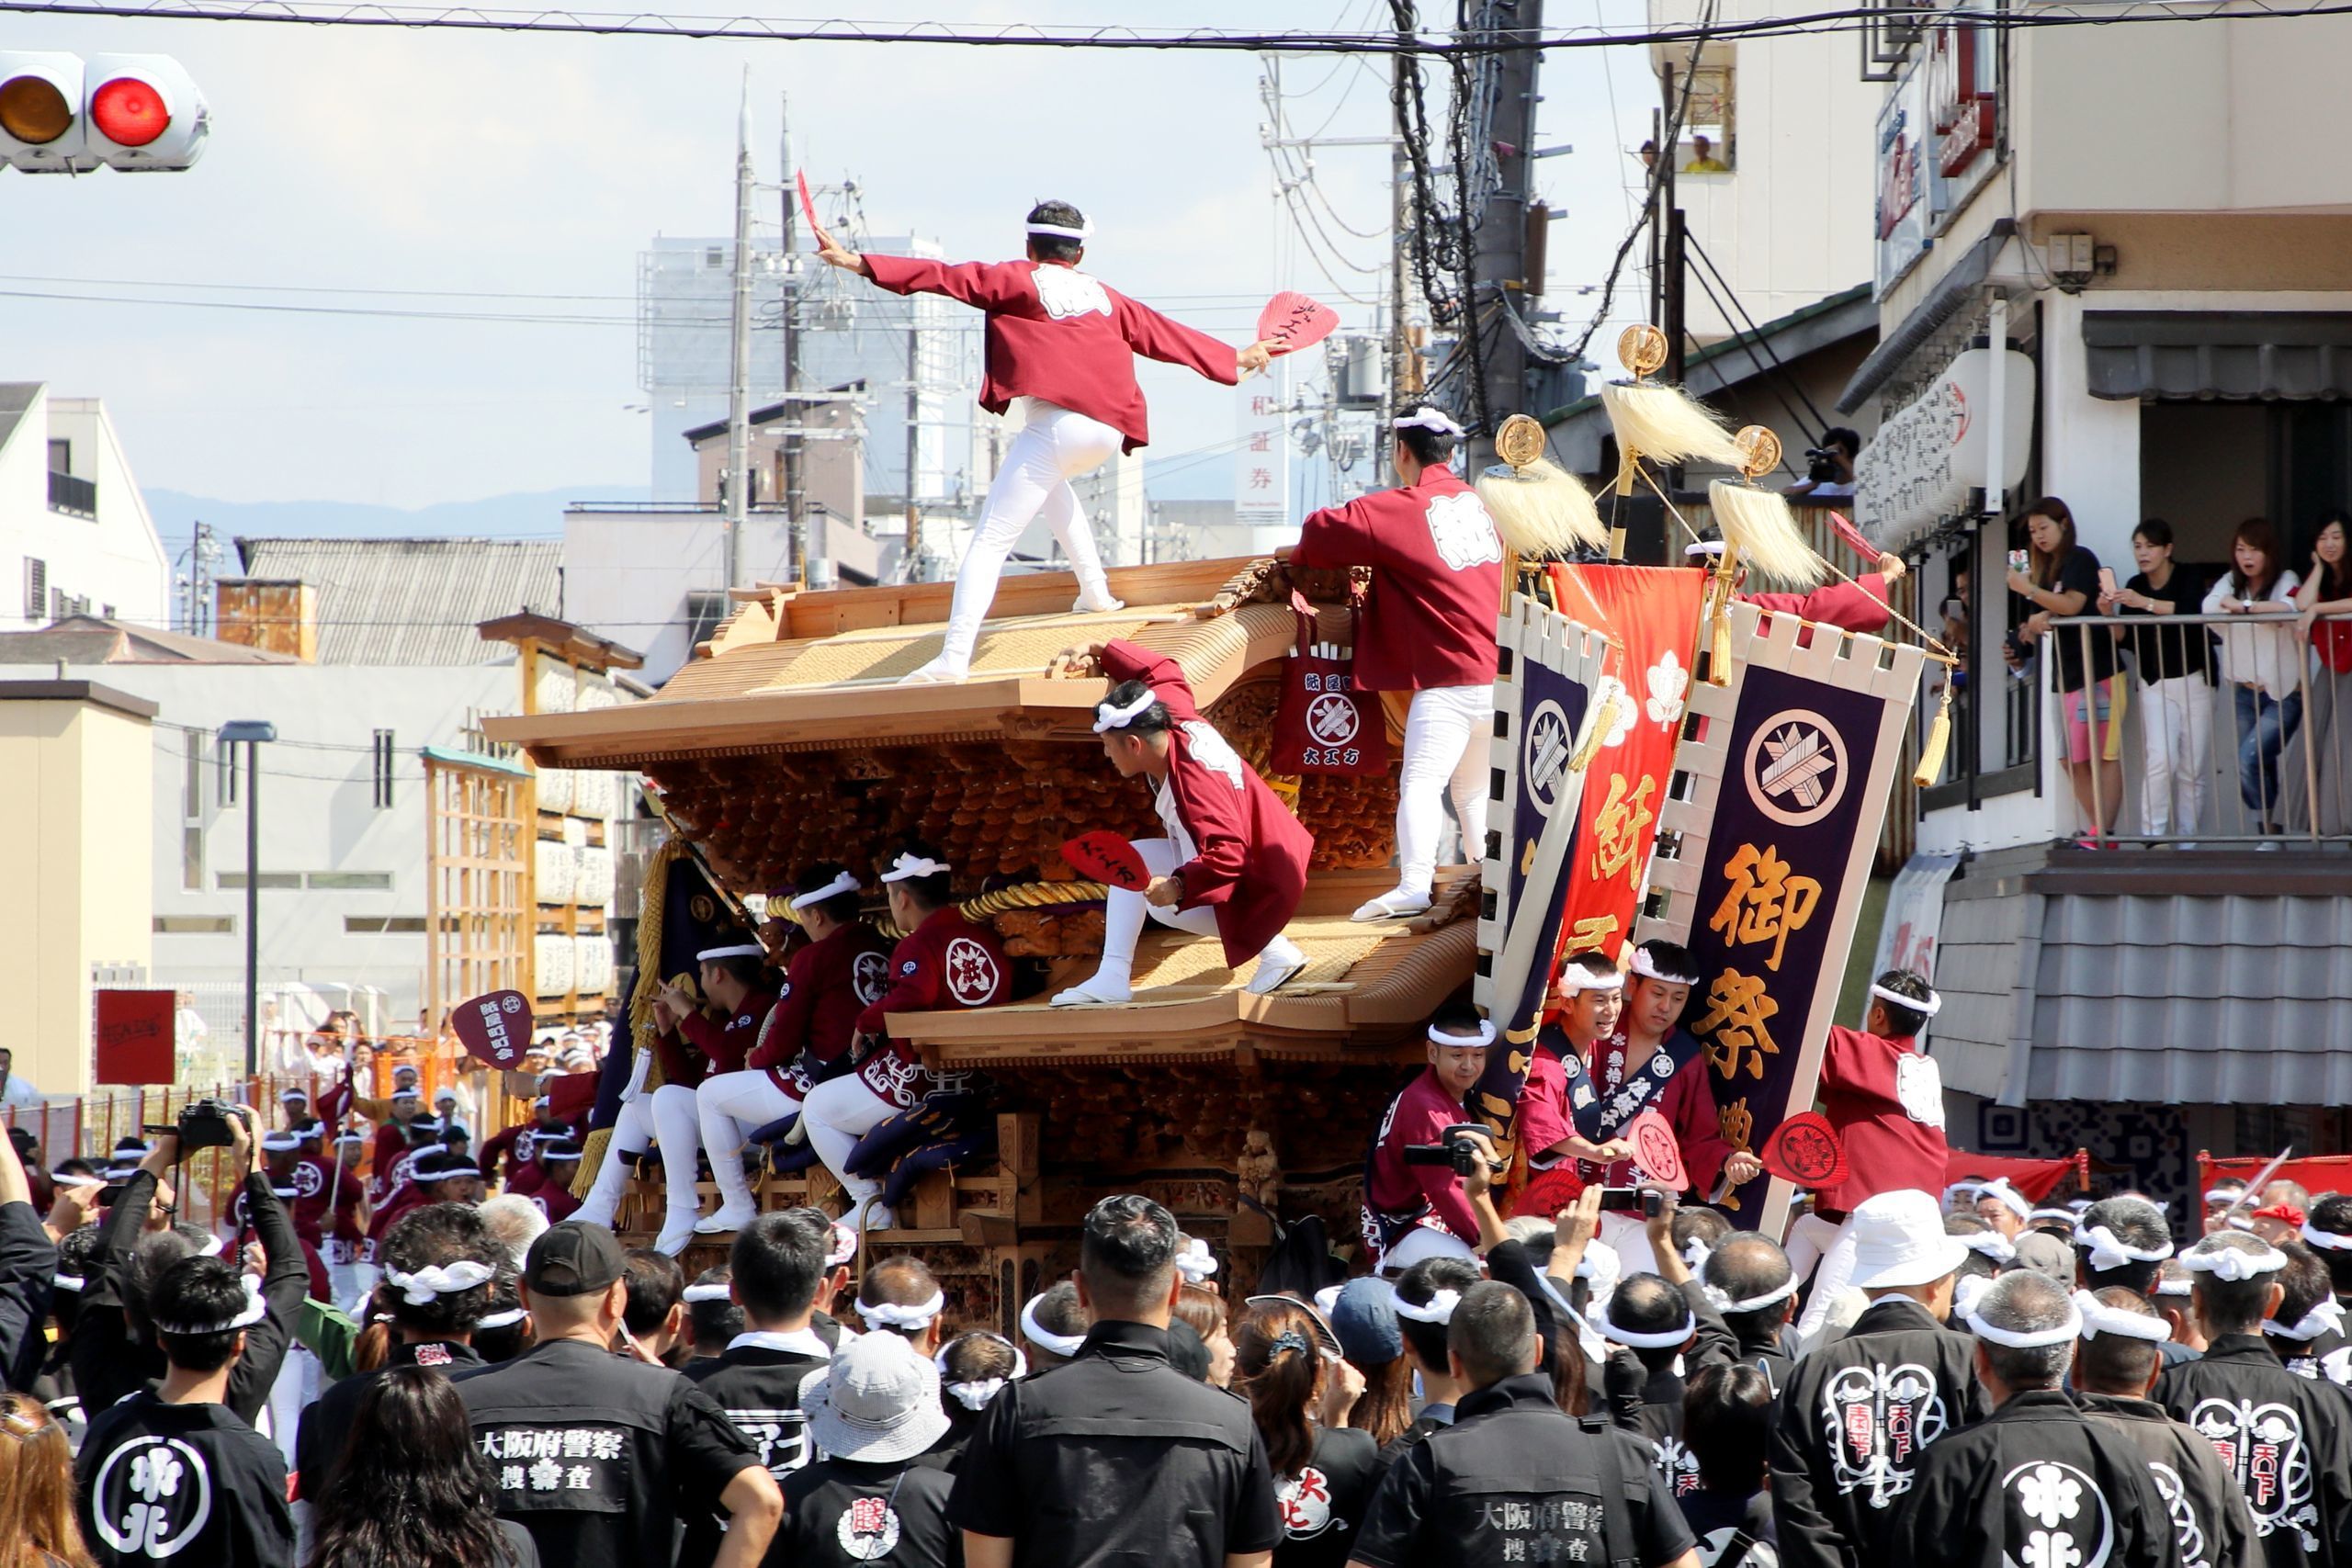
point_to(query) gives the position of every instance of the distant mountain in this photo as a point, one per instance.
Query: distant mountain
(522, 514)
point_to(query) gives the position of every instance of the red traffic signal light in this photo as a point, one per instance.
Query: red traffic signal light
(60, 114)
(130, 112)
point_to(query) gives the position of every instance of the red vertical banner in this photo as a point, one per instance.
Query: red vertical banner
(134, 1037)
(1650, 615)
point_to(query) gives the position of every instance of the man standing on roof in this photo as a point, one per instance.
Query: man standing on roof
(1063, 346)
(1234, 861)
(1428, 628)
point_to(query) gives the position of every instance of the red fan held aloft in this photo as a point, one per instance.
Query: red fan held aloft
(1804, 1149)
(1655, 1147)
(809, 209)
(495, 1029)
(1853, 537)
(1103, 856)
(1292, 322)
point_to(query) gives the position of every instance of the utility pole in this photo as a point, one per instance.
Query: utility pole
(1671, 279)
(795, 486)
(739, 358)
(1404, 379)
(1501, 237)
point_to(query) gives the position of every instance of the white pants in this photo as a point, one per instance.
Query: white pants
(1123, 912)
(730, 1106)
(1813, 1239)
(2176, 748)
(1445, 754)
(1628, 1236)
(1051, 450)
(667, 1115)
(839, 1113)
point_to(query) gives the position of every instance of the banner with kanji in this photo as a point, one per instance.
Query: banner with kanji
(1544, 714)
(1650, 616)
(1792, 766)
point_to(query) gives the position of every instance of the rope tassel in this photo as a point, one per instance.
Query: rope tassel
(1931, 755)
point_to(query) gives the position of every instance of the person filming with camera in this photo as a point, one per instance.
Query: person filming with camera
(1829, 467)
(1414, 1204)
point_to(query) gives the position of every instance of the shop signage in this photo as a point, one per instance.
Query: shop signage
(1925, 459)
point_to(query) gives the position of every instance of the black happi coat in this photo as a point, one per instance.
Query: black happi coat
(2038, 1483)
(1854, 1417)
(2208, 1514)
(2286, 1441)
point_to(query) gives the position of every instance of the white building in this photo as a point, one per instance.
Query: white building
(73, 528)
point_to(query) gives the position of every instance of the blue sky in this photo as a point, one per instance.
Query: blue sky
(541, 165)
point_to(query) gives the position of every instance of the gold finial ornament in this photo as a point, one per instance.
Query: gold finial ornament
(1759, 450)
(1521, 441)
(1642, 349)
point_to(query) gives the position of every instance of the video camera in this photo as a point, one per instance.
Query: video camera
(204, 1124)
(1455, 1148)
(1821, 464)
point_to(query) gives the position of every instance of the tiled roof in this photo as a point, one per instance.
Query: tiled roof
(93, 640)
(404, 602)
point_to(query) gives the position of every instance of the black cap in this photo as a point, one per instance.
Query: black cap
(571, 1259)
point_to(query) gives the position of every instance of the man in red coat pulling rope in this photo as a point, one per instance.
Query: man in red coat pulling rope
(1063, 346)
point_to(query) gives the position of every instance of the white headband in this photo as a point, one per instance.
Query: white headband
(717, 1291)
(1062, 1345)
(1195, 1262)
(2326, 1318)
(2028, 1339)
(1702, 547)
(976, 1394)
(908, 867)
(1721, 1300)
(214, 1245)
(507, 1319)
(68, 1281)
(1665, 1339)
(740, 950)
(2175, 1285)
(428, 1284)
(1485, 1036)
(1993, 1244)
(288, 1097)
(1428, 418)
(76, 1178)
(1109, 717)
(2065, 1214)
(914, 1319)
(2326, 1241)
(840, 885)
(2233, 1264)
(1063, 230)
(1576, 979)
(1696, 1253)
(252, 1311)
(1968, 1293)
(1926, 1007)
(278, 1143)
(2224, 1194)
(1957, 1188)
(1438, 1308)
(121, 1172)
(2107, 1250)
(1646, 967)
(844, 1246)
(2100, 1319)
(2008, 1197)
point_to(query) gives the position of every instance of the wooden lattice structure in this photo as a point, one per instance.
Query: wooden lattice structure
(479, 917)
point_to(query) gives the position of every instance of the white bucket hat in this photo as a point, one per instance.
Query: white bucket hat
(1899, 1240)
(876, 1401)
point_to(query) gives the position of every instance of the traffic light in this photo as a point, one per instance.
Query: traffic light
(60, 114)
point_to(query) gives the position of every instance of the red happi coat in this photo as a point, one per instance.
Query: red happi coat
(1437, 580)
(1688, 1103)
(943, 964)
(826, 986)
(1859, 606)
(1419, 1114)
(320, 1186)
(1250, 853)
(1056, 334)
(724, 1045)
(1886, 1100)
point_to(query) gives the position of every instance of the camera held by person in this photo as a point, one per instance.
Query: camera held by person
(1829, 467)
(1456, 1148)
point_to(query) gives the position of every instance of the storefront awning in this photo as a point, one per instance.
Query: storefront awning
(2226, 356)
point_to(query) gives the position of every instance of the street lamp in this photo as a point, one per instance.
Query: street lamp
(252, 732)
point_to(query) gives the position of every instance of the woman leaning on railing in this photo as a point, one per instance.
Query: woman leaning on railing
(2318, 759)
(2175, 663)
(2262, 661)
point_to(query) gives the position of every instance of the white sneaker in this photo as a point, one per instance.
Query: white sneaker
(732, 1216)
(1097, 992)
(1397, 904)
(677, 1232)
(1277, 966)
(1097, 602)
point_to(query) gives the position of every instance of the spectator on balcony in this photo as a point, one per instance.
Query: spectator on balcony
(2264, 662)
(1702, 158)
(2175, 667)
(2063, 581)
(2317, 792)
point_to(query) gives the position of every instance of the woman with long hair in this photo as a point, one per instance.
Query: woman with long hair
(1324, 1473)
(410, 1486)
(37, 1525)
(2262, 662)
(1205, 1310)
(2174, 662)
(2063, 581)
(2320, 759)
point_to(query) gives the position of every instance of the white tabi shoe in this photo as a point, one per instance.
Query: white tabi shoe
(1097, 602)
(940, 671)
(1097, 992)
(677, 1232)
(730, 1217)
(1277, 966)
(1397, 904)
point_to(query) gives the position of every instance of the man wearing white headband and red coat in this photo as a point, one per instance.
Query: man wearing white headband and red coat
(1414, 1210)
(1885, 1100)
(843, 969)
(1588, 997)
(1235, 859)
(1063, 346)
(945, 962)
(1650, 1061)
(1428, 627)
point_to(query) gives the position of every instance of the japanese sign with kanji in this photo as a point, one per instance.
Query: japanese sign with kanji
(1261, 466)
(1792, 766)
(495, 1029)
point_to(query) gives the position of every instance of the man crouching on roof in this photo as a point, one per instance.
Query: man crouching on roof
(1234, 861)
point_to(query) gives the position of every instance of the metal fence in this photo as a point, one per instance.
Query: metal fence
(2220, 729)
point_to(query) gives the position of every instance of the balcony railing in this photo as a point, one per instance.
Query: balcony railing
(2224, 729)
(74, 497)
